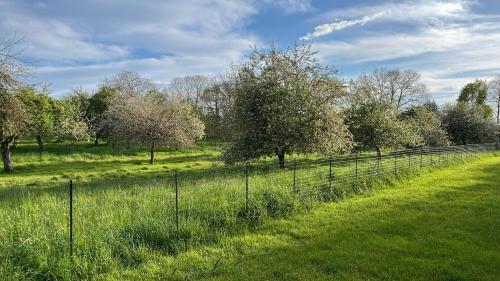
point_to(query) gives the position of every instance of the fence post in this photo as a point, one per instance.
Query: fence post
(409, 161)
(432, 162)
(356, 165)
(395, 164)
(71, 218)
(421, 152)
(246, 186)
(330, 172)
(176, 200)
(294, 189)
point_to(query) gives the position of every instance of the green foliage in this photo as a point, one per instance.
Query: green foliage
(14, 117)
(71, 123)
(477, 93)
(376, 125)
(42, 112)
(252, 216)
(216, 101)
(98, 104)
(283, 103)
(466, 123)
(427, 123)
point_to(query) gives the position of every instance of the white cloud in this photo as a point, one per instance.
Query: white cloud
(57, 41)
(328, 28)
(415, 12)
(420, 10)
(293, 6)
(446, 41)
(448, 58)
(77, 43)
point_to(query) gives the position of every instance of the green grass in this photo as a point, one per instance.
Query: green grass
(125, 211)
(442, 226)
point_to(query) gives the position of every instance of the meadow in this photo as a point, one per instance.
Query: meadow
(128, 222)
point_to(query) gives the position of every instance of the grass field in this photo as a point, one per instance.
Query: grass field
(442, 226)
(125, 225)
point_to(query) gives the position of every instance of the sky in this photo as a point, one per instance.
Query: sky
(76, 44)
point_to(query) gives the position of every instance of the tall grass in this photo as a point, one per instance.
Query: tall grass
(125, 221)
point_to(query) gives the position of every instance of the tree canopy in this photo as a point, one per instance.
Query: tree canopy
(284, 102)
(151, 117)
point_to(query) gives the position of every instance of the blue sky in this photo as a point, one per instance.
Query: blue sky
(79, 43)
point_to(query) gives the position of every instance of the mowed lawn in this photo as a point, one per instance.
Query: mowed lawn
(443, 225)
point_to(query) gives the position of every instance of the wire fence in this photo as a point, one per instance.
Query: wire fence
(94, 223)
(218, 200)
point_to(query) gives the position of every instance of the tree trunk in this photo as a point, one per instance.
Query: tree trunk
(379, 154)
(498, 112)
(152, 153)
(40, 142)
(96, 141)
(281, 159)
(7, 160)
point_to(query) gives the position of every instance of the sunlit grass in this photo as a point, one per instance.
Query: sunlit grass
(124, 208)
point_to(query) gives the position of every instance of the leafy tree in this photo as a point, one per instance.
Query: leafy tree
(71, 123)
(215, 103)
(284, 103)
(494, 95)
(466, 123)
(151, 117)
(427, 123)
(13, 113)
(40, 105)
(476, 93)
(98, 104)
(376, 125)
(431, 105)
(13, 125)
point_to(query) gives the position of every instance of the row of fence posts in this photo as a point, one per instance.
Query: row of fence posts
(294, 185)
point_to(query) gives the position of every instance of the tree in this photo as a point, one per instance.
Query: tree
(41, 116)
(13, 113)
(476, 93)
(130, 83)
(71, 123)
(151, 117)
(284, 103)
(494, 95)
(466, 123)
(189, 88)
(215, 104)
(13, 125)
(98, 104)
(402, 88)
(427, 123)
(376, 125)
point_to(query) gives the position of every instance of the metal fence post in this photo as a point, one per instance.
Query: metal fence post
(356, 165)
(421, 152)
(176, 200)
(409, 161)
(294, 189)
(395, 164)
(71, 218)
(246, 186)
(330, 172)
